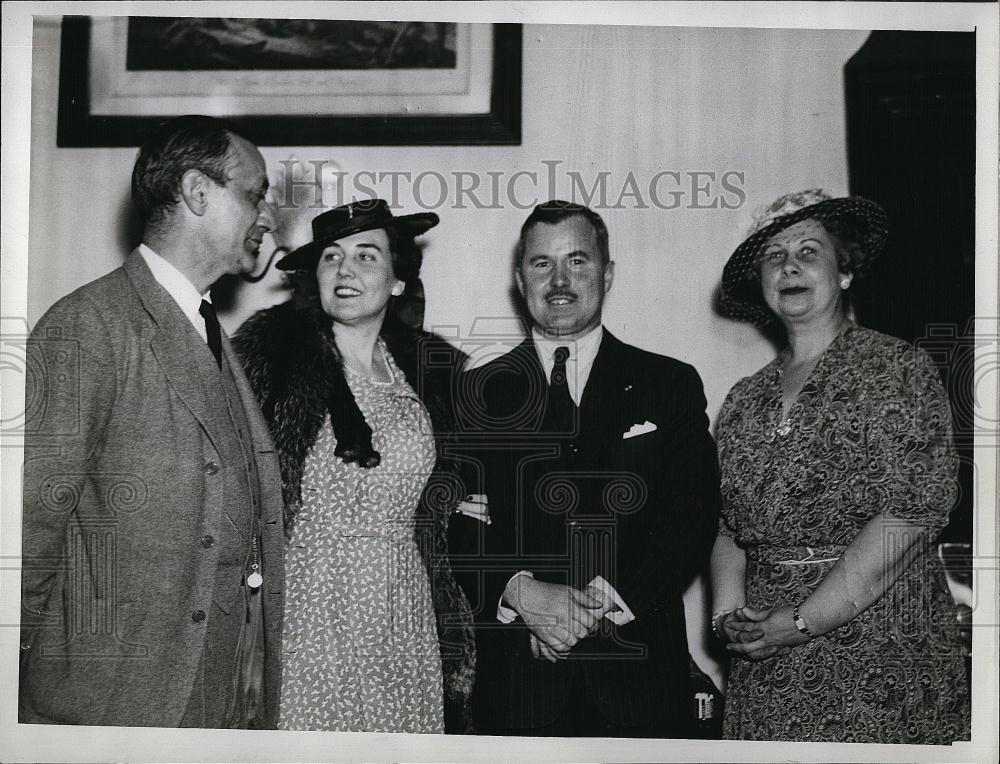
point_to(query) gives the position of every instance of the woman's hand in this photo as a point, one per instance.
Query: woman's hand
(724, 627)
(761, 634)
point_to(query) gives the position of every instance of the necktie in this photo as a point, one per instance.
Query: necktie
(212, 330)
(560, 404)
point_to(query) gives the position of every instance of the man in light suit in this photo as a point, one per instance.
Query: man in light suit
(594, 502)
(152, 548)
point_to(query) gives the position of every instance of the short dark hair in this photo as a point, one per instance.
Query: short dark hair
(192, 142)
(555, 211)
(407, 257)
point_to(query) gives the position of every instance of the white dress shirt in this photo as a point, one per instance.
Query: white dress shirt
(179, 288)
(582, 353)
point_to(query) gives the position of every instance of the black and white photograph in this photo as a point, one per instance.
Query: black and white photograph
(208, 44)
(476, 382)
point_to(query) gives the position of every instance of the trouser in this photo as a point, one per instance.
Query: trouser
(581, 717)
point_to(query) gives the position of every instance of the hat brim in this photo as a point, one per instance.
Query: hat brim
(741, 297)
(307, 256)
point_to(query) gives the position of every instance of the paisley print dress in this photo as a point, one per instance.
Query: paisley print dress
(869, 433)
(360, 650)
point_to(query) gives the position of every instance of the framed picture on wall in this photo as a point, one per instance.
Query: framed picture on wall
(291, 82)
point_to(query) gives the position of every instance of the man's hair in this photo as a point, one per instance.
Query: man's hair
(556, 211)
(186, 143)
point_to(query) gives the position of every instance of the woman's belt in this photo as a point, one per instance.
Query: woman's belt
(392, 531)
(795, 555)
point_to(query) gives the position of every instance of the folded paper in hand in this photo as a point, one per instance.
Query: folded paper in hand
(623, 614)
(476, 506)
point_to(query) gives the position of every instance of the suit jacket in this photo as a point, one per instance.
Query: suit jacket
(128, 453)
(640, 511)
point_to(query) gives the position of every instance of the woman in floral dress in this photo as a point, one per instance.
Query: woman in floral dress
(838, 471)
(354, 407)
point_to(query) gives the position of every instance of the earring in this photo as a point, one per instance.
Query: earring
(844, 283)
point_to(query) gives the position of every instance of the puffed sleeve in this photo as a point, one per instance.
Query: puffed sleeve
(911, 461)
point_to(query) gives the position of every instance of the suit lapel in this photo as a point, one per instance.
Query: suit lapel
(258, 427)
(536, 384)
(604, 391)
(515, 392)
(262, 443)
(171, 342)
(602, 397)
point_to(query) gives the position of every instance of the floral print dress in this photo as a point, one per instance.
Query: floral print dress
(360, 647)
(869, 433)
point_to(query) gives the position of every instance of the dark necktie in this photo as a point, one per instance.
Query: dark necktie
(212, 330)
(560, 404)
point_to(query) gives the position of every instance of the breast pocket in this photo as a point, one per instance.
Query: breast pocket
(640, 444)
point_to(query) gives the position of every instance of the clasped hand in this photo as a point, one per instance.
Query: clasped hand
(761, 634)
(558, 616)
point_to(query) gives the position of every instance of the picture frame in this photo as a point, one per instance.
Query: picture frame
(431, 119)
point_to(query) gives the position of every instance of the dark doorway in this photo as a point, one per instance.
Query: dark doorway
(911, 130)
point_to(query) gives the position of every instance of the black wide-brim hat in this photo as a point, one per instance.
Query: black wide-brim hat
(348, 220)
(741, 296)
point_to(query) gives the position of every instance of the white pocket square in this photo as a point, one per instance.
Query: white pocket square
(639, 429)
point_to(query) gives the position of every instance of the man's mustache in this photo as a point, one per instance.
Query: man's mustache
(557, 293)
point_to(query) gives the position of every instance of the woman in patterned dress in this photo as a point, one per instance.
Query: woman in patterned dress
(838, 471)
(358, 405)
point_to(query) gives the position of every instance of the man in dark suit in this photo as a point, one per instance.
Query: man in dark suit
(593, 503)
(152, 532)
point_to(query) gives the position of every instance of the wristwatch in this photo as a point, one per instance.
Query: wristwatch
(800, 622)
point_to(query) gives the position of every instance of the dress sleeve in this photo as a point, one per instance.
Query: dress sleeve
(725, 528)
(912, 465)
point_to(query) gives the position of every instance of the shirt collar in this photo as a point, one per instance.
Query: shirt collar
(582, 350)
(171, 279)
(582, 354)
(177, 286)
